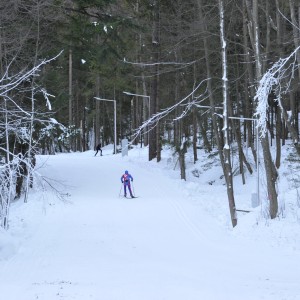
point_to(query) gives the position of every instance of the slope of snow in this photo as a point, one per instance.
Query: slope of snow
(174, 241)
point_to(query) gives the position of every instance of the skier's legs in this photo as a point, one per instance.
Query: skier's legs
(124, 190)
(129, 188)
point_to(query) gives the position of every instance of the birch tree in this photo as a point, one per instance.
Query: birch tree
(226, 149)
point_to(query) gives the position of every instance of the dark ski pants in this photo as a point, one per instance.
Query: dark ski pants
(98, 151)
(129, 188)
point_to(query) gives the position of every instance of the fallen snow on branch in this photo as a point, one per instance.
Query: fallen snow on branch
(277, 80)
(152, 121)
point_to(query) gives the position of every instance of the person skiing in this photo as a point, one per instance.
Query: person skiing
(98, 148)
(125, 179)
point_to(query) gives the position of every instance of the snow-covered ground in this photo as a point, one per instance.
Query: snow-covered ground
(173, 242)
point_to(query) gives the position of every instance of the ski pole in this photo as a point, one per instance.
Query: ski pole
(120, 190)
(133, 189)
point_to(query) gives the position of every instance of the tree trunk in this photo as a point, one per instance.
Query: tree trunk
(278, 134)
(226, 149)
(249, 84)
(195, 135)
(97, 138)
(268, 38)
(216, 131)
(153, 138)
(296, 34)
(236, 128)
(182, 152)
(290, 122)
(146, 112)
(271, 172)
(206, 143)
(70, 89)
(272, 176)
(177, 124)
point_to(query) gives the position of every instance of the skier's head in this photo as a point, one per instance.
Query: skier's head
(126, 172)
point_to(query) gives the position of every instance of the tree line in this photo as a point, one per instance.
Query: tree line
(194, 73)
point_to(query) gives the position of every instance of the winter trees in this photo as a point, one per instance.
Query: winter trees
(18, 144)
(250, 53)
(277, 80)
(174, 53)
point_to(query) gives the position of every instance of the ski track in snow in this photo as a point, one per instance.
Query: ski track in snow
(105, 247)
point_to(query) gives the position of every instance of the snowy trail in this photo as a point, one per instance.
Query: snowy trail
(105, 247)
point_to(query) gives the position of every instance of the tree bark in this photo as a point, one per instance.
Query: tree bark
(182, 151)
(296, 34)
(226, 149)
(97, 138)
(70, 89)
(195, 135)
(203, 30)
(154, 132)
(249, 81)
(206, 143)
(271, 172)
(278, 135)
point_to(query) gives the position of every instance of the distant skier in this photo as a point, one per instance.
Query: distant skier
(98, 148)
(125, 179)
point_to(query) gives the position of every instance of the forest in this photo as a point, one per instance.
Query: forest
(222, 75)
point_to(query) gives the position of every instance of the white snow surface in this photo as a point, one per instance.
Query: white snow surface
(173, 242)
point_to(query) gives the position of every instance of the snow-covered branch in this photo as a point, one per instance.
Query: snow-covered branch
(172, 63)
(277, 80)
(152, 121)
(9, 83)
(17, 124)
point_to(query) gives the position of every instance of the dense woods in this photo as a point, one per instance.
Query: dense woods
(193, 73)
